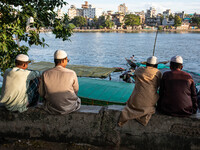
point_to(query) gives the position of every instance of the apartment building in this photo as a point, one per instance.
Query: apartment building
(151, 13)
(180, 14)
(60, 14)
(167, 13)
(91, 12)
(151, 18)
(122, 8)
(85, 6)
(142, 16)
(73, 12)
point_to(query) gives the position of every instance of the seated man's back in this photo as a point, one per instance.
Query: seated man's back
(177, 92)
(59, 87)
(141, 103)
(15, 87)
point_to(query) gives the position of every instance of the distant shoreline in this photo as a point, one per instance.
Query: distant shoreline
(130, 31)
(135, 31)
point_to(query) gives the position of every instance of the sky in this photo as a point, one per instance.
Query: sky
(189, 6)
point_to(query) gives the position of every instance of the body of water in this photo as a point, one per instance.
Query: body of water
(110, 49)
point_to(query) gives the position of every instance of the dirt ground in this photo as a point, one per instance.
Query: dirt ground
(22, 144)
(27, 144)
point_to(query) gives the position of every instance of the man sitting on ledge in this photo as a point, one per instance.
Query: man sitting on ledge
(141, 104)
(59, 87)
(20, 86)
(177, 91)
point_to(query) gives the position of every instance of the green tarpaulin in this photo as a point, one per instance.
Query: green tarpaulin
(104, 90)
(81, 71)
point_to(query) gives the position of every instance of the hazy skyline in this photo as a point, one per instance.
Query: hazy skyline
(191, 6)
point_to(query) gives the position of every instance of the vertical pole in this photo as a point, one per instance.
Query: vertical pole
(155, 42)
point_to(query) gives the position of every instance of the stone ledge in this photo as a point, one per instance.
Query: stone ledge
(97, 125)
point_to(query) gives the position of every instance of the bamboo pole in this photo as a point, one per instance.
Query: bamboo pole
(155, 43)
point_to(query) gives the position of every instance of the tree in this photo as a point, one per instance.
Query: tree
(79, 21)
(108, 23)
(161, 19)
(196, 20)
(171, 17)
(13, 22)
(94, 22)
(132, 20)
(177, 21)
(160, 28)
(101, 21)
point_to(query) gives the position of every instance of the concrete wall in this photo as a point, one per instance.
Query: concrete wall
(97, 125)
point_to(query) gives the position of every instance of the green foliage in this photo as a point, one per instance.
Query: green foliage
(95, 22)
(132, 20)
(105, 22)
(161, 19)
(79, 21)
(160, 28)
(196, 20)
(108, 23)
(62, 28)
(100, 27)
(101, 22)
(171, 17)
(14, 15)
(177, 21)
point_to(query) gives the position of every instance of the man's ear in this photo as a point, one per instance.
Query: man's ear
(181, 67)
(24, 64)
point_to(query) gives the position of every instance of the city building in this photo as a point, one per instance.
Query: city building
(151, 18)
(91, 12)
(187, 20)
(153, 21)
(109, 12)
(118, 19)
(72, 12)
(85, 6)
(122, 8)
(29, 22)
(87, 11)
(184, 26)
(167, 13)
(180, 14)
(196, 15)
(142, 16)
(151, 13)
(60, 14)
(79, 12)
(168, 22)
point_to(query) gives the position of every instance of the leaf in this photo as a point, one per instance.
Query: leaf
(12, 24)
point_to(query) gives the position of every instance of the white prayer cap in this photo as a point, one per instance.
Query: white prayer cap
(60, 54)
(177, 59)
(23, 57)
(152, 60)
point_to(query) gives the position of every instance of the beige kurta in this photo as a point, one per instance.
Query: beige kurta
(141, 104)
(59, 86)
